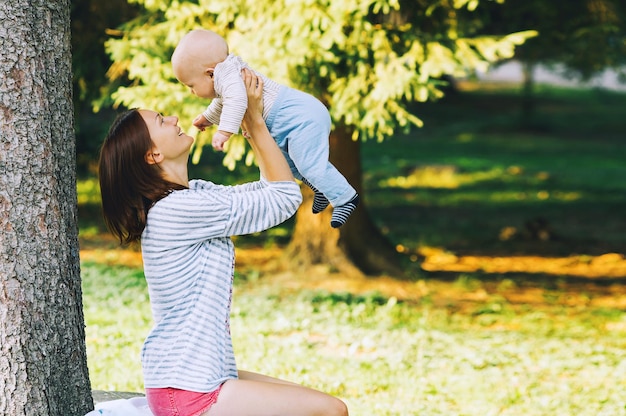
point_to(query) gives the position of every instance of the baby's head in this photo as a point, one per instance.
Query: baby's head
(195, 58)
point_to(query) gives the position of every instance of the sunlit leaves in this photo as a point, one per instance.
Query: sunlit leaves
(365, 59)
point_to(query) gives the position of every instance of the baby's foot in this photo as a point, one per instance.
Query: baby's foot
(342, 212)
(320, 202)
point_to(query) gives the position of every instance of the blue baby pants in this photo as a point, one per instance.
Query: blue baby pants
(300, 124)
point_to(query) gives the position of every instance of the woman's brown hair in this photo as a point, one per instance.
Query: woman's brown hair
(129, 186)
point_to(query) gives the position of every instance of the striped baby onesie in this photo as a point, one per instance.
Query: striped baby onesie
(228, 108)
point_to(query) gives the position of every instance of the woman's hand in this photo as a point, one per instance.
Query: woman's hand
(254, 113)
(272, 163)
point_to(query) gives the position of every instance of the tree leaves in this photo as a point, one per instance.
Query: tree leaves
(365, 59)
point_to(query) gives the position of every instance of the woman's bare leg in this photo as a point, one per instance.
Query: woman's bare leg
(248, 375)
(259, 395)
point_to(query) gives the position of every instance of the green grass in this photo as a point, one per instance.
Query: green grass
(117, 317)
(385, 357)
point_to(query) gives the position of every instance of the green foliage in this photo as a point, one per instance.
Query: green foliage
(365, 59)
(586, 36)
(91, 24)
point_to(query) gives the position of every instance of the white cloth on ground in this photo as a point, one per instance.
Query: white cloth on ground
(136, 406)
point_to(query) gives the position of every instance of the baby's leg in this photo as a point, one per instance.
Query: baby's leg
(341, 213)
(302, 126)
(320, 202)
(329, 185)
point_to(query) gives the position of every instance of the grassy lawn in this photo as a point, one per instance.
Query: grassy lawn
(390, 357)
(504, 340)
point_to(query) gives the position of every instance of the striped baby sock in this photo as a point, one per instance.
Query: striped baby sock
(342, 212)
(320, 202)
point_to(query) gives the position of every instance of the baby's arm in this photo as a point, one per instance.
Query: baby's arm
(234, 101)
(210, 116)
(201, 123)
(219, 138)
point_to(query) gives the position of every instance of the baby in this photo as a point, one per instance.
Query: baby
(299, 122)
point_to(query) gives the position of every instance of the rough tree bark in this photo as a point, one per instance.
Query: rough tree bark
(357, 248)
(43, 365)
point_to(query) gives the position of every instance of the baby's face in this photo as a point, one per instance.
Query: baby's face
(200, 83)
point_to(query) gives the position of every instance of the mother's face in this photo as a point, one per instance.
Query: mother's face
(170, 142)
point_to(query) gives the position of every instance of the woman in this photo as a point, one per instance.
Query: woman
(185, 228)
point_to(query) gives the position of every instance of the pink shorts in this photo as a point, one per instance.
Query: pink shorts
(175, 402)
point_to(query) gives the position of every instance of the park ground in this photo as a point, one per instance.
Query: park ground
(594, 281)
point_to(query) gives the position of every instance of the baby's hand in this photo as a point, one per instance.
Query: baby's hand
(219, 138)
(201, 122)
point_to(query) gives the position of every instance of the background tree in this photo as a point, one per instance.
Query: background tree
(366, 60)
(92, 23)
(579, 37)
(43, 365)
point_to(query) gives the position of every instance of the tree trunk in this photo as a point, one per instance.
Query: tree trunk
(358, 247)
(528, 98)
(43, 364)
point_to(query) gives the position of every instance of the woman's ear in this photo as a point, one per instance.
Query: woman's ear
(153, 156)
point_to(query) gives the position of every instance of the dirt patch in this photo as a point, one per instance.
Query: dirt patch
(113, 257)
(591, 288)
(610, 265)
(576, 281)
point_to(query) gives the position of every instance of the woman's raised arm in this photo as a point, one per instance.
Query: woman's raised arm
(272, 163)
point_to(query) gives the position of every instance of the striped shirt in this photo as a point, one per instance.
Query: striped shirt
(227, 109)
(189, 265)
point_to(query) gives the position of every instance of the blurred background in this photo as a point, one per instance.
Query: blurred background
(484, 271)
